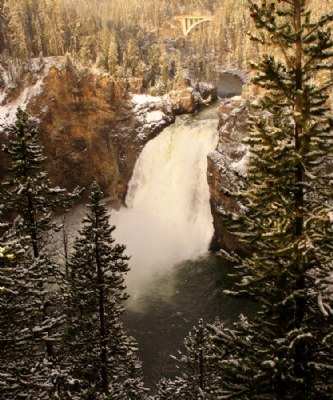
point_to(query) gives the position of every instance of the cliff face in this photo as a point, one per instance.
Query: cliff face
(79, 114)
(92, 128)
(226, 166)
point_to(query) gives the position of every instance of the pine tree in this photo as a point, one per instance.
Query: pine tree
(198, 378)
(30, 313)
(286, 351)
(179, 71)
(28, 192)
(113, 58)
(3, 28)
(30, 318)
(131, 57)
(103, 359)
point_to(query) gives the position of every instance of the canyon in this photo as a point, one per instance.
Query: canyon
(94, 127)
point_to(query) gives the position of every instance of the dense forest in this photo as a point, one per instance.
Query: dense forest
(128, 38)
(61, 335)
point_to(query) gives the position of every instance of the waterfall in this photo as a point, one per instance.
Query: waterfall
(168, 217)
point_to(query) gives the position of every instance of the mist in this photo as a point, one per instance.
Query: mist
(168, 217)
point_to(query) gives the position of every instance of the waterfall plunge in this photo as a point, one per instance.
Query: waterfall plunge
(168, 217)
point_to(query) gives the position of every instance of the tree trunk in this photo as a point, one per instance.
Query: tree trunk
(32, 228)
(103, 339)
(300, 354)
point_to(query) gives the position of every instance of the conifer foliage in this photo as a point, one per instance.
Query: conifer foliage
(286, 352)
(28, 192)
(198, 376)
(48, 351)
(103, 360)
(30, 316)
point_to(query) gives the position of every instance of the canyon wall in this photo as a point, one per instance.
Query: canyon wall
(226, 167)
(91, 126)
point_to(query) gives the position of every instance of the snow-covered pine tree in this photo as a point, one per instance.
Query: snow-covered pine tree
(102, 357)
(198, 376)
(287, 350)
(27, 192)
(30, 315)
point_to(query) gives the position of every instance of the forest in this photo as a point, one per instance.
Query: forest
(61, 330)
(128, 38)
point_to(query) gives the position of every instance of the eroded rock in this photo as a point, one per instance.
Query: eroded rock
(226, 166)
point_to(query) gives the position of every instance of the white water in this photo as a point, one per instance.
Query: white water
(168, 217)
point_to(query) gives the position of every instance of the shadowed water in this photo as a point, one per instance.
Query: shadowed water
(173, 304)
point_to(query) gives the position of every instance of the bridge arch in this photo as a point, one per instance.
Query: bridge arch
(190, 22)
(196, 24)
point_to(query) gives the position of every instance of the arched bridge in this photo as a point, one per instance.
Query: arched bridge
(189, 22)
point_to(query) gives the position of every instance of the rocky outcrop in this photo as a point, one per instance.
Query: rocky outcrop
(91, 126)
(226, 166)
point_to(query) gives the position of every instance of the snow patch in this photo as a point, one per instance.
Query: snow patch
(150, 112)
(330, 216)
(144, 99)
(8, 111)
(155, 116)
(241, 166)
(40, 68)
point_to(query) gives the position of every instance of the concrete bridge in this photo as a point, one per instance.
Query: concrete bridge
(189, 22)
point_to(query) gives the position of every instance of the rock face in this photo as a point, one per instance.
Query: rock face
(226, 166)
(92, 127)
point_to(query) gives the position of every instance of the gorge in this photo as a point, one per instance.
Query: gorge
(93, 130)
(167, 228)
(166, 202)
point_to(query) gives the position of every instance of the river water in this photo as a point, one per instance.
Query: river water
(173, 304)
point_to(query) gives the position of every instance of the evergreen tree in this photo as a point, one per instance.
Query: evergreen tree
(198, 378)
(28, 192)
(30, 318)
(3, 28)
(286, 351)
(113, 58)
(131, 57)
(179, 71)
(30, 313)
(103, 359)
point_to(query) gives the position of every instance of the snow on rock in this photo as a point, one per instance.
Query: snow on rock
(8, 111)
(155, 116)
(152, 113)
(140, 99)
(241, 166)
(227, 165)
(219, 160)
(38, 69)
